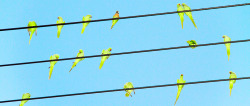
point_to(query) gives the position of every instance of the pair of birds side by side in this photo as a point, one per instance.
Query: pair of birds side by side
(79, 56)
(184, 7)
(60, 21)
(181, 81)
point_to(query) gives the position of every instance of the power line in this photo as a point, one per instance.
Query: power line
(136, 16)
(115, 90)
(132, 52)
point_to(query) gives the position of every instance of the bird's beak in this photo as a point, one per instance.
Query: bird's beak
(181, 74)
(90, 16)
(223, 37)
(230, 72)
(57, 17)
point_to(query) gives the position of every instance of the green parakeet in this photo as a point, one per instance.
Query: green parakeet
(126, 86)
(231, 82)
(79, 54)
(32, 30)
(189, 14)
(191, 43)
(59, 27)
(52, 63)
(86, 18)
(25, 96)
(227, 39)
(104, 58)
(179, 87)
(115, 21)
(179, 8)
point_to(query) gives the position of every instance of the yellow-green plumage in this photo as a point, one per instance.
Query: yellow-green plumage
(79, 54)
(192, 43)
(126, 86)
(59, 27)
(104, 58)
(231, 82)
(32, 30)
(52, 63)
(179, 87)
(227, 39)
(86, 18)
(179, 8)
(25, 96)
(189, 14)
(115, 21)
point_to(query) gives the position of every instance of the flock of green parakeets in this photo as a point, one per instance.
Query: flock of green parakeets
(192, 44)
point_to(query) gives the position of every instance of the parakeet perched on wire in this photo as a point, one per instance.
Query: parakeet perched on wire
(79, 54)
(179, 87)
(25, 96)
(179, 8)
(32, 30)
(231, 82)
(227, 39)
(191, 43)
(189, 14)
(52, 63)
(126, 86)
(86, 18)
(115, 21)
(104, 58)
(59, 27)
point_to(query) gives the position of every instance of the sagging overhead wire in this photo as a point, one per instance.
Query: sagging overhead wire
(136, 16)
(115, 90)
(132, 52)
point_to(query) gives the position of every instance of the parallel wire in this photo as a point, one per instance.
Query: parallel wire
(122, 53)
(115, 90)
(137, 16)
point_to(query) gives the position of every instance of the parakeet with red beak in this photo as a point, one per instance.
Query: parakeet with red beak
(179, 87)
(25, 96)
(227, 39)
(86, 18)
(189, 14)
(59, 27)
(179, 8)
(104, 58)
(52, 63)
(79, 54)
(128, 92)
(231, 82)
(115, 21)
(32, 30)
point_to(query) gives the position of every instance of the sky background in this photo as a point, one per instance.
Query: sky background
(144, 69)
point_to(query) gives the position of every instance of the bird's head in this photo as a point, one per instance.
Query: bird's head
(80, 51)
(117, 12)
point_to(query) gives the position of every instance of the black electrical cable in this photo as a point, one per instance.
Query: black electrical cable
(132, 52)
(137, 16)
(115, 90)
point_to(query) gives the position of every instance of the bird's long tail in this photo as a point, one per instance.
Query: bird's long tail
(21, 104)
(182, 20)
(228, 50)
(230, 87)
(73, 66)
(32, 32)
(191, 18)
(178, 94)
(112, 26)
(58, 33)
(83, 29)
(101, 64)
(50, 71)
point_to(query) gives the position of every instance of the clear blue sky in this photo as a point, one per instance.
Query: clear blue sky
(165, 67)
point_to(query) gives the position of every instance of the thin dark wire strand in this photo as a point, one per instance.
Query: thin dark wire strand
(122, 53)
(115, 90)
(137, 16)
